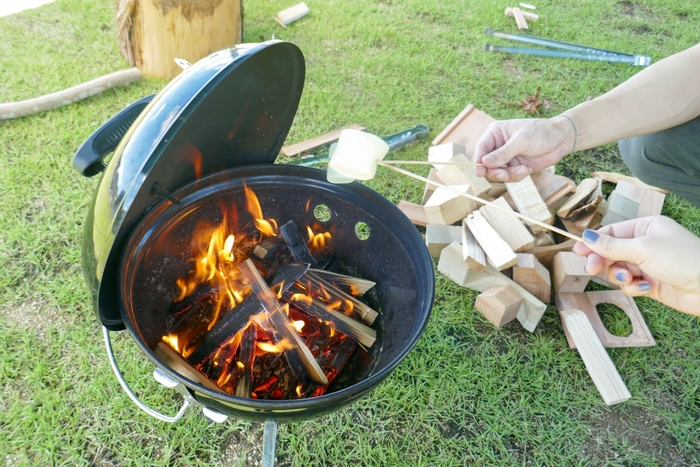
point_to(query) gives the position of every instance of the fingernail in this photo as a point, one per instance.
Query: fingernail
(521, 171)
(590, 236)
(644, 287)
(620, 277)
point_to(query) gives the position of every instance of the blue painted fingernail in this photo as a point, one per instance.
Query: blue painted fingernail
(620, 277)
(644, 287)
(590, 236)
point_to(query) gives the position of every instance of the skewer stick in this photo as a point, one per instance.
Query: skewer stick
(482, 201)
(460, 164)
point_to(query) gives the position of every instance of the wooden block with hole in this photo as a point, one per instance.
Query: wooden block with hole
(529, 203)
(497, 251)
(414, 212)
(509, 228)
(465, 129)
(438, 237)
(446, 207)
(429, 187)
(533, 277)
(472, 253)
(598, 363)
(443, 153)
(569, 273)
(452, 175)
(499, 305)
(588, 301)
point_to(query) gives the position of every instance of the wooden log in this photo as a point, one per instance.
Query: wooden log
(569, 273)
(313, 143)
(68, 96)
(244, 384)
(438, 237)
(297, 245)
(446, 207)
(157, 31)
(499, 305)
(452, 175)
(175, 362)
(414, 212)
(616, 178)
(497, 251)
(292, 14)
(520, 18)
(597, 361)
(544, 254)
(465, 129)
(443, 153)
(533, 277)
(587, 302)
(472, 253)
(509, 228)
(529, 202)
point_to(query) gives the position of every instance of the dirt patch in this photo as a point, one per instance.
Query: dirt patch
(635, 9)
(637, 429)
(243, 448)
(33, 315)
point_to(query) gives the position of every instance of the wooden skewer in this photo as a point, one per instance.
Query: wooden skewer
(482, 201)
(461, 164)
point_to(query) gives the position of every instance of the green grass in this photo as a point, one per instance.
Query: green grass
(469, 394)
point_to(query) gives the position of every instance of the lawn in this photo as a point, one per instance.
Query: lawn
(469, 393)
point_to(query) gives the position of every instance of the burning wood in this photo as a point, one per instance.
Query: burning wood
(277, 330)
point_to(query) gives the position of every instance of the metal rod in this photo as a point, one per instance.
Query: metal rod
(269, 443)
(554, 44)
(637, 60)
(483, 201)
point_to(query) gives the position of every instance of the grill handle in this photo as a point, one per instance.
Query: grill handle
(88, 161)
(142, 405)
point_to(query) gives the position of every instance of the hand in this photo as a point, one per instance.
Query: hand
(524, 146)
(650, 256)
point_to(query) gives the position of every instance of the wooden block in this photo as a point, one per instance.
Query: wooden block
(529, 202)
(472, 253)
(429, 187)
(583, 193)
(590, 221)
(452, 265)
(497, 251)
(519, 18)
(465, 129)
(531, 310)
(499, 305)
(452, 175)
(597, 361)
(587, 302)
(178, 364)
(509, 228)
(312, 143)
(438, 237)
(528, 15)
(446, 207)
(544, 254)
(414, 212)
(544, 239)
(443, 153)
(552, 187)
(619, 209)
(533, 277)
(651, 202)
(616, 178)
(291, 14)
(527, 5)
(569, 273)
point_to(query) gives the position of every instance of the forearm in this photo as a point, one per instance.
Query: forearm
(661, 96)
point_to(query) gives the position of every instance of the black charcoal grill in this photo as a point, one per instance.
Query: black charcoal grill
(178, 155)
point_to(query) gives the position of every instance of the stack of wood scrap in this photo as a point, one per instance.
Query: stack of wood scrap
(481, 245)
(515, 263)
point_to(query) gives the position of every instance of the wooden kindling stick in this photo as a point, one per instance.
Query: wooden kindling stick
(482, 201)
(459, 164)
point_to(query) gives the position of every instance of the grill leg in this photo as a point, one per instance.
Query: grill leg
(269, 443)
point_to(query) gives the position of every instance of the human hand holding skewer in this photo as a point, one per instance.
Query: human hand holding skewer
(358, 154)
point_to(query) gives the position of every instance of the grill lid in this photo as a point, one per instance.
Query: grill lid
(230, 109)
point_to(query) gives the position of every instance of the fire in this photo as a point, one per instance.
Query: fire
(269, 347)
(319, 241)
(171, 340)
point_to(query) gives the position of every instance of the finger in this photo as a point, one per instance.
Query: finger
(631, 228)
(613, 248)
(595, 264)
(619, 274)
(509, 174)
(581, 249)
(642, 287)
